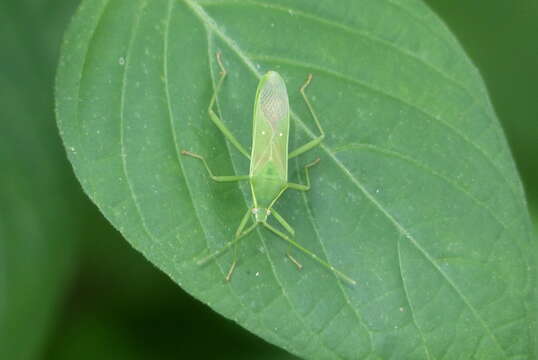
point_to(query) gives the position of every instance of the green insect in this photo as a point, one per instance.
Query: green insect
(268, 174)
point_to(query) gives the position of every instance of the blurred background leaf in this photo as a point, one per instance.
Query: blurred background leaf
(39, 199)
(498, 35)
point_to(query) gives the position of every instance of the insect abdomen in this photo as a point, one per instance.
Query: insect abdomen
(267, 184)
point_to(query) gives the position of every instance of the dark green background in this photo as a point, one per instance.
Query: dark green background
(105, 287)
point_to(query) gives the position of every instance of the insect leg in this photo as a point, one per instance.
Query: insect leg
(239, 234)
(302, 187)
(311, 254)
(315, 142)
(289, 229)
(242, 233)
(283, 222)
(216, 178)
(214, 117)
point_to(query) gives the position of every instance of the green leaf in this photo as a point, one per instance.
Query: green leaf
(416, 196)
(511, 80)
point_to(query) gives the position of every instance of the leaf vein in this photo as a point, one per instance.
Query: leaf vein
(409, 302)
(425, 168)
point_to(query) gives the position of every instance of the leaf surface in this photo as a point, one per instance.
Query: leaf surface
(416, 195)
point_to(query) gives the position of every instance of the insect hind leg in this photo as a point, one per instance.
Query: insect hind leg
(240, 233)
(290, 230)
(305, 251)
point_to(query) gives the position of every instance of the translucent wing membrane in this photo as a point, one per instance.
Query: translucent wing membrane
(273, 99)
(269, 162)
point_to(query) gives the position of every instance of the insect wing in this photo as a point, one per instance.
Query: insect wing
(271, 125)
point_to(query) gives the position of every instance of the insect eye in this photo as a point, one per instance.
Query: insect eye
(254, 210)
(268, 212)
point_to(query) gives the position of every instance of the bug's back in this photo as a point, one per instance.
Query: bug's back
(269, 159)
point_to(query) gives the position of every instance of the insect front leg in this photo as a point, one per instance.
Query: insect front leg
(315, 142)
(214, 117)
(215, 178)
